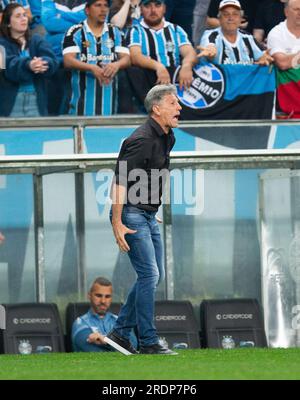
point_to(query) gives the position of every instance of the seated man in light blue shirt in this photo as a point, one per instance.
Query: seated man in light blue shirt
(89, 330)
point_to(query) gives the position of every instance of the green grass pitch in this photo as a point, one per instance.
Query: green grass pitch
(207, 364)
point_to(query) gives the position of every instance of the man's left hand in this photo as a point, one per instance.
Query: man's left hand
(265, 59)
(110, 70)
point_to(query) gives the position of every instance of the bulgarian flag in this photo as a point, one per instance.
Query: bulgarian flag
(288, 92)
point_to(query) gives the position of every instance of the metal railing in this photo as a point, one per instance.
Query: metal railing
(128, 120)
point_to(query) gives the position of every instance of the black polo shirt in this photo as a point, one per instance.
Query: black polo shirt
(145, 157)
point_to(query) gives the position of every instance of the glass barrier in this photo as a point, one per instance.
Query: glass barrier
(227, 233)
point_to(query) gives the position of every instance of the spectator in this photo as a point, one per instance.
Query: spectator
(284, 39)
(2, 238)
(269, 14)
(94, 51)
(28, 62)
(57, 17)
(125, 13)
(89, 330)
(180, 12)
(199, 19)
(227, 44)
(249, 7)
(33, 10)
(157, 47)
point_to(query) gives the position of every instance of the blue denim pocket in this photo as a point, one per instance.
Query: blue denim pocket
(134, 220)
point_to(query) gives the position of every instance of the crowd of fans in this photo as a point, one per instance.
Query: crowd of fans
(100, 57)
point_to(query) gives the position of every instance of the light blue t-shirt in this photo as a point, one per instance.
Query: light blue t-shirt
(245, 50)
(89, 323)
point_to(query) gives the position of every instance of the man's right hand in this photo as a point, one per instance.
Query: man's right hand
(163, 76)
(209, 51)
(96, 338)
(244, 24)
(120, 230)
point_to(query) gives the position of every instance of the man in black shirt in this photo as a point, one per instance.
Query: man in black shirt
(269, 14)
(180, 12)
(136, 196)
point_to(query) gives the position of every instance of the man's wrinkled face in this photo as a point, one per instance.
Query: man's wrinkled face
(230, 18)
(168, 111)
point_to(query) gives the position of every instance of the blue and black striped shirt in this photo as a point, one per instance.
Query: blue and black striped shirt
(88, 96)
(162, 45)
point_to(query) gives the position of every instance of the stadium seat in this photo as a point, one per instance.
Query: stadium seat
(232, 323)
(176, 324)
(30, 328)
(75, 310)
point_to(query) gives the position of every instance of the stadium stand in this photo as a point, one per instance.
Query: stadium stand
(232, 323)
(176, 323)
(75, 310)
(30, 328)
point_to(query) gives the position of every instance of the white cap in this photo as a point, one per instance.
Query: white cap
(233, 3)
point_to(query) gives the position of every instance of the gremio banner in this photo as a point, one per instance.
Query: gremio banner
(225, 92)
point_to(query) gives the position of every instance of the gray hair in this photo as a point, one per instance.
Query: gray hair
(156, 94)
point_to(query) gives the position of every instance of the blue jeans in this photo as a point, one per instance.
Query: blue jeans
(146, 256)
(25, 105)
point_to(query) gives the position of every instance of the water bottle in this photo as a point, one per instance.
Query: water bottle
(246, 343)
(228, 342)
(43, 349)
(181, 345)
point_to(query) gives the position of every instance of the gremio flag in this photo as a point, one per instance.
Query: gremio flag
(222, 92)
